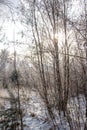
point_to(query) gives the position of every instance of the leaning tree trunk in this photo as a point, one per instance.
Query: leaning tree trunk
(85, 9)
(85, 90)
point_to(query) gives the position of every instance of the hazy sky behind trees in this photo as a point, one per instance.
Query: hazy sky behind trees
(13, 31)
(12, 28)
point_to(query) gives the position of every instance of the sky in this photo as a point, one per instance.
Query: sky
(12, 30)
(76, 10)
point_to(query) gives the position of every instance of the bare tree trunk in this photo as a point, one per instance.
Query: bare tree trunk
(85, 5)
(18, 87)
(66, 62)
(40, 55)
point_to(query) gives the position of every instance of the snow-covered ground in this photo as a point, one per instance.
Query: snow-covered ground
(76, 110)
(35, 113)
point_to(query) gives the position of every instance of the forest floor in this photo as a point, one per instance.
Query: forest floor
(37, 118)
(35, 114)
